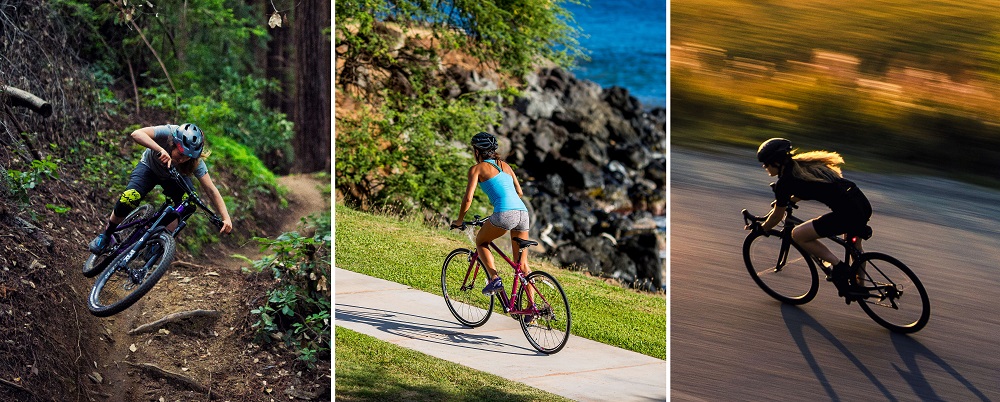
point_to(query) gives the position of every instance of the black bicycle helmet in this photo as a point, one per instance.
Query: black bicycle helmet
(774, 150)
(484, 141)
(190, 140)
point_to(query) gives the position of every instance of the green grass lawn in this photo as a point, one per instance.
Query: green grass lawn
(408, 252)
(368, 369)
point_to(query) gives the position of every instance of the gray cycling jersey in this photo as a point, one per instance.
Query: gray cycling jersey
(164, 137)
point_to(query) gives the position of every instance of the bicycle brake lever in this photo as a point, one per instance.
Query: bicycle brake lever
(216, 221)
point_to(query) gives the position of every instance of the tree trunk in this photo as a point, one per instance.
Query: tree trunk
(276, 64)
(312, 86)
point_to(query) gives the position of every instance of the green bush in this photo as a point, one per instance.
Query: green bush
(411, 154)
(297, 307)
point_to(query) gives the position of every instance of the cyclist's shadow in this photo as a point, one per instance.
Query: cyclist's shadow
(908, 348)
(405, 325)
(797, 322)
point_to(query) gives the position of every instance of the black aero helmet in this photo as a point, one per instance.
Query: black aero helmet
(484, 141)
(189, 139)
(774, 150)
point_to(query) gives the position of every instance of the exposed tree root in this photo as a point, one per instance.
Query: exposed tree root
(205, 317)
(176, 377)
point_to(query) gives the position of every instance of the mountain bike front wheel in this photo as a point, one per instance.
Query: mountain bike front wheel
(96, 263)
(131, 275)
(547, 329)
(462, 285)
(787, 275)
(893, 296)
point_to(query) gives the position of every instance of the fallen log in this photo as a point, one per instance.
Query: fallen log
(17, 97)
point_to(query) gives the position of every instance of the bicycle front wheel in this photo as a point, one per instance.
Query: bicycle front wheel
(787, 275)
(893, 296)
(461, 284)
(131, 275)
(547, 328)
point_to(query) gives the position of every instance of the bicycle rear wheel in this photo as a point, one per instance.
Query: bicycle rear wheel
(790, 278)
(130, 276)
(96, 263)
(548, 329)
(461, 285)
(894, 297)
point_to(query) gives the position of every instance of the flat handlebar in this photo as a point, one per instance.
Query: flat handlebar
(475, 222)
(212, 216)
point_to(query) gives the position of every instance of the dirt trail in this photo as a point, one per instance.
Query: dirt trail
(215, 355)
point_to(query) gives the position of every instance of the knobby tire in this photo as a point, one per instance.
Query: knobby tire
(105, 298)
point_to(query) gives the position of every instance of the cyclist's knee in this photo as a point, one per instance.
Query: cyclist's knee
(127, 202)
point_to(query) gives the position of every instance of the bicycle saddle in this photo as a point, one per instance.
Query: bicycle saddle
(865, 233)
(524, 243)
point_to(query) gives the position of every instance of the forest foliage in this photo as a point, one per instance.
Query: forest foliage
(406, 147)
(110, 67)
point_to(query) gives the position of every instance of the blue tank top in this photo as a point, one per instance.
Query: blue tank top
(500, 190)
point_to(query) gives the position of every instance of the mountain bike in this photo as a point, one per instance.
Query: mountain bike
(885, 288)
(143, 249)
(536, 299)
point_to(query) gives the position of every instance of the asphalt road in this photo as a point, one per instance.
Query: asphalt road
(730, 341)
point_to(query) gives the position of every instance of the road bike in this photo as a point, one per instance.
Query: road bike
(142, 250)
(885, 288)
(536, 299)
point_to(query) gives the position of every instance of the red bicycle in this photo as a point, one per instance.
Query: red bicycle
(536, 299)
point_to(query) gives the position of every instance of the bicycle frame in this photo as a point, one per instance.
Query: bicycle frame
(183, 209)
(508, 303)
(852, 246)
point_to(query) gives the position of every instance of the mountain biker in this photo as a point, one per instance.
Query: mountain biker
(509, 212)
(169, 146)
(814, 176)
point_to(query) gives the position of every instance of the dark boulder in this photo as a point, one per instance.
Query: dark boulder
(573, 257)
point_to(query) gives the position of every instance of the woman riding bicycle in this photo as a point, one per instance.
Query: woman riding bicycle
(169, 146)
(814, 176)
(509, 212)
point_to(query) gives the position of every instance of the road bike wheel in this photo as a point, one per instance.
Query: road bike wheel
(548, 329)
(896, 299)
(131, 275)
(464, 296)
(794, 282)
(96, 263)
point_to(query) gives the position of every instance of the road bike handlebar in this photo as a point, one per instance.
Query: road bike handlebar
(212, 216)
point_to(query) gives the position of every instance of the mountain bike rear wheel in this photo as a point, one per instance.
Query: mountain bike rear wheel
(462, 289)
(791, 278)
(548, 329)
(895, 298)
(131, 275)
(96, 263)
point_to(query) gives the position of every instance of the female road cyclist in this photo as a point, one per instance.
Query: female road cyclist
(509, 212)
(814, 176)
(169, 146)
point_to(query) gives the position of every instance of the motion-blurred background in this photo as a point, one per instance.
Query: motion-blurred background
(909, 81)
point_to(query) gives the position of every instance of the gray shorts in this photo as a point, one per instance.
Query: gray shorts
(511, 220)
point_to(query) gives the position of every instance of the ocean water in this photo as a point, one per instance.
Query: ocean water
(627, 45)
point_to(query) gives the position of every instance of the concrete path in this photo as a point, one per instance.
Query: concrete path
(584, 370)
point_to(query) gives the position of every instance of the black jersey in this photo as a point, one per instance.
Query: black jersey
(841, 195)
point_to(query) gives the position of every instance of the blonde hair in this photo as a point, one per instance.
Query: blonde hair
(821, 166)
